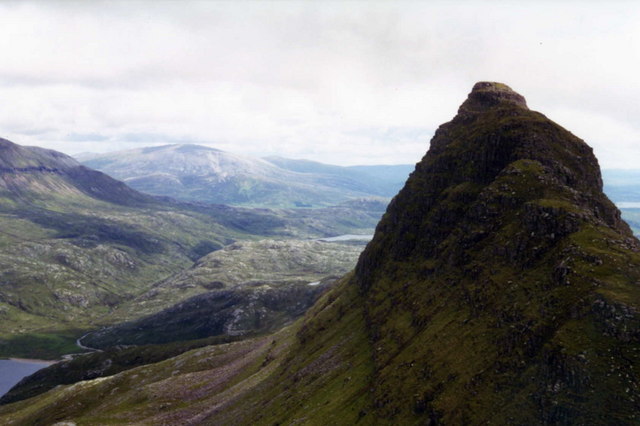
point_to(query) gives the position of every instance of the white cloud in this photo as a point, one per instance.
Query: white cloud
(341, 82)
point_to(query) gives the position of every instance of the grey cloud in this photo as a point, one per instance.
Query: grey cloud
(86, 137)
(308, 78)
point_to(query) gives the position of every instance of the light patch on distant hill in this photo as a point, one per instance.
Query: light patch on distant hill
(199, 173)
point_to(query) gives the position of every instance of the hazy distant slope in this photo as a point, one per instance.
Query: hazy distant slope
(198, 173)
(380, 180)
(622, 185)
(632, 217)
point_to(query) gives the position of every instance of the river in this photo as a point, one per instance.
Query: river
(13, 370)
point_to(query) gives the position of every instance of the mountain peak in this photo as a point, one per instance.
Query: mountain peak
(477, 244)
(486, 94)
(500, 287)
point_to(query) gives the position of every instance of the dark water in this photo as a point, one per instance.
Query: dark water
(12, 371)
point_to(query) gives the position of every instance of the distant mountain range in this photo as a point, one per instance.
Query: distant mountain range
(75, 244)
(199, 173)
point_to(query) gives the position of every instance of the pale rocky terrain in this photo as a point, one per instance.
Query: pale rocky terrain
(244, 288)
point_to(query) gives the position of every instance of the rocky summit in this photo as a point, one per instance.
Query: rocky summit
(501, 287)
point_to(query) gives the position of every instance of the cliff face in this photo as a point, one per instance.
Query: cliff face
(472, 172)
(501, 284)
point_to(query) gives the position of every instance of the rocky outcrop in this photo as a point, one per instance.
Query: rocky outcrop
(244, 288)
(486, 94)
(241, 311)
(254, 265)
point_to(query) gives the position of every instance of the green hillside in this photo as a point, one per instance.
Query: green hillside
(75, 244)
(500, 287)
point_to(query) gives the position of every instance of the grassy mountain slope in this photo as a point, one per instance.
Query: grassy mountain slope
(245, 287)
(75, 244)
(107, 362)
(252, 381)
(500, 287)
(241, 290)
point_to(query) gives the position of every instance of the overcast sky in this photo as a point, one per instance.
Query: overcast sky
(339, 82)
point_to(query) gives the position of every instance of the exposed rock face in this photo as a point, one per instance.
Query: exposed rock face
(484, 95)
(497, 138)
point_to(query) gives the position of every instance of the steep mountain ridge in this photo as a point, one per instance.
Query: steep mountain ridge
(504, 236)
(501, 286)
(30, 171)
